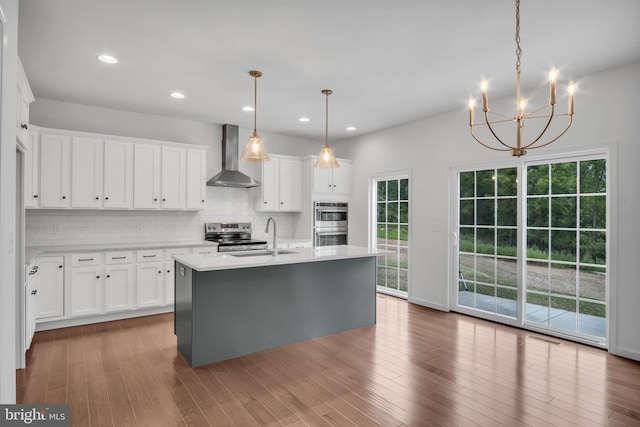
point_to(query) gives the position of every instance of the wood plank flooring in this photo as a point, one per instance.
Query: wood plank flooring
(416, 367)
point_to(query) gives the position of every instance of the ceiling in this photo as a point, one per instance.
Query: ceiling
(387, 62)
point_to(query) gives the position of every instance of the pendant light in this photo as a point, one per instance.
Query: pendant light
(254, 151)
(326, 159)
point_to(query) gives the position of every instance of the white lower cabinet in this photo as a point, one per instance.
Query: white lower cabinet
(50, 287)
(86, 290)
(169, 282)
(94, 284)
(30, 304)
(119, 281)
(150, 281)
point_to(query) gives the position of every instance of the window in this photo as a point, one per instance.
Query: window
(566, 246)
(488, 233)
(391, 233)
(556, 219)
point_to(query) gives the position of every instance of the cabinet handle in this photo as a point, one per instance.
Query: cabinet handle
(97, 198)
(59, 266)
(282, 203)
(168, 271)
(35, 196)
(155, 199)
(164, 200)
(148, 256)
(64, 197)
(97, 277)
(85, 259)
(108, 276)
(334, 186)
(106, 198)
(32, 272)
(203, 201)
(118, 257)
(24, 126)
(159, 271)
(33, 292)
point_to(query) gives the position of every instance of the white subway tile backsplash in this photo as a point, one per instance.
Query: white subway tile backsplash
(79, 227)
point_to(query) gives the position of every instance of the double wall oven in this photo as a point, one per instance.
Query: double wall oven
(331, 223)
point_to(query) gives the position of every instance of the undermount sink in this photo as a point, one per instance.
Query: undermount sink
(260, 253)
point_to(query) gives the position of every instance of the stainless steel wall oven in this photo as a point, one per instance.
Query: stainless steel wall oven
(331, 223)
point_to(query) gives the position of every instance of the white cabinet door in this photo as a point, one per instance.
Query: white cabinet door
(169, 282)
(86, 290)
(55, 171)
(174, 178)
(32, 171)
(150, 281)
(87, 173)
(269, 186)
(322, 180)
(342, 179)
(24, 98)
(290, 185)
(146, 177)
(119, 286)
(196, 178)
(30, 310)
(50, 287)
(118, 174)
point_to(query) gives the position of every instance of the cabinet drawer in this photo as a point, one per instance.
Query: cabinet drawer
(119, 257)
(150, 255)
(86, 259)
(168, 253)
(205, 250)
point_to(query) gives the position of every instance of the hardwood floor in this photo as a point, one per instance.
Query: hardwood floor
(416, 367)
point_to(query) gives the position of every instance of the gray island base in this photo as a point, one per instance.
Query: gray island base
(225, 313)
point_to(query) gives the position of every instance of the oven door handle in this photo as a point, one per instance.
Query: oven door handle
(326, 233)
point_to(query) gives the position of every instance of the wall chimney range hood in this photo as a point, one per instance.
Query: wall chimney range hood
(230, 176)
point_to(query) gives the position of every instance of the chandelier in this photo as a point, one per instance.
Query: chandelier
(520, 148)
(254, 151)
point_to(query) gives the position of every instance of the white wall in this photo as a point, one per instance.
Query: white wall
(606, 112)
(7, 203)
(85, 118)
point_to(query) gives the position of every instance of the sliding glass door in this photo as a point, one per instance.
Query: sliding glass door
(532, 252)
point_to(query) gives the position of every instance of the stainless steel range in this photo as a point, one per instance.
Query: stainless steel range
(232, 236)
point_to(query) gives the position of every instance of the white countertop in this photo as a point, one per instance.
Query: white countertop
(34, 251)
(226, 261)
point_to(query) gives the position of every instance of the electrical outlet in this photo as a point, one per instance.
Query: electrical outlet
(57, 229)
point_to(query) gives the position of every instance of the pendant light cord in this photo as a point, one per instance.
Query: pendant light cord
(326, 123)
(255, 103)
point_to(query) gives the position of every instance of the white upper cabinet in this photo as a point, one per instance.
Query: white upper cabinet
(67, 169)
(146, 176)
(333, 181)
(118, 174)
(55, 171)
(281, 188)
(196, 178)
(87, 173)
(24, 98)
(174, 178)
(32, 171)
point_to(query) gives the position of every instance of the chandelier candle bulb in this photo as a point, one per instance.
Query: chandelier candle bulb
(485, 101)
(472, 104)
(553, 75)
(572, 89)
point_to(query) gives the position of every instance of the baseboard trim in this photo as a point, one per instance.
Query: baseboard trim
(626, 352)
(77, 321)
(429, 304)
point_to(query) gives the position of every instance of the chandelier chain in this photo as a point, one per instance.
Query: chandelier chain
(518, 48)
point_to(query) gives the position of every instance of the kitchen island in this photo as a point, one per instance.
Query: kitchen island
(230, 305)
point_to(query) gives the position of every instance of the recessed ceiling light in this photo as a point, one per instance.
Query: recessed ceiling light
(303, 119)
(351, 128)
(247, 108)
(107, 59)
(177, 95)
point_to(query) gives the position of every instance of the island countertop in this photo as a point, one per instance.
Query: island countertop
(227, 261)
